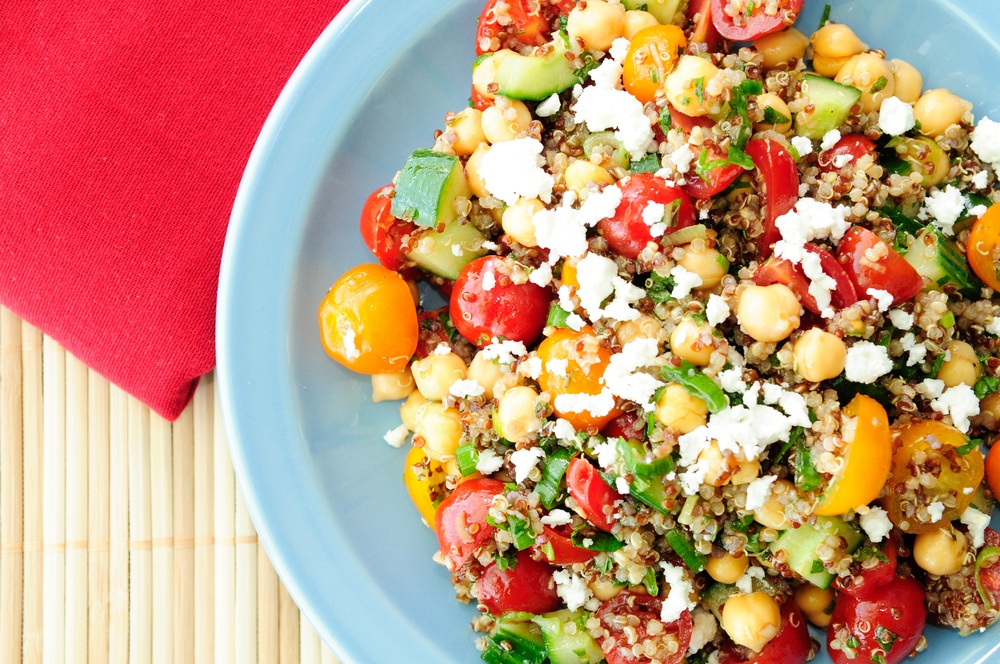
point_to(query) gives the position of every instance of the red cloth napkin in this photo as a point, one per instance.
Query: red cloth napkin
(124, 130)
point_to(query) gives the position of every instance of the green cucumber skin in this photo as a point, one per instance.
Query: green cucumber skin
(938, 260)
(832, 102)
(427, 188)
(441, 260)
(534, 77)
(664, 11)
(800, 545)
(562, 648)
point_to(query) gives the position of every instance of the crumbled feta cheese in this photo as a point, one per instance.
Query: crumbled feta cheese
(350, 339)
(489, 245)
(993, 327)
(682, 158)
(557, 517)
(943, 208)
(653, 213)
(512, 169)
(830, 139)
(396, 437)
(534, 366)
(876, 524)
(900, 319)
(976, 522)
(607, 75)
(866, 362)
(524, 461)
(602, 108)
(575, 322)
(541, 275)
(595, 275)
(466, 389)
(842, 160)
(731, 380)
(883, 298)
(563, 230)
(563, 430)
(607, 453)
(704, 630)
(505, 351)
(980, 180)
(597, 405)
(811, 219)
(977, 211)
(489, 462)
(986, 142)
(457, 250)
(802, 145)
(572, 588)
(621, 486)
(759, 492)
(684, 282)
(717, 310)
(793, 403)
(745, 583)
(932, 387)
(623, 378)
(548, 107)
(619, 49)
(557, 367)
(577, 91)
(935, 511)
(441, 349)
(489, 281)
(895, 117)
(679, 598)
(917, 353)
(960, 402)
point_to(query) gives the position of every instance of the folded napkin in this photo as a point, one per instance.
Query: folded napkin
(124, 129)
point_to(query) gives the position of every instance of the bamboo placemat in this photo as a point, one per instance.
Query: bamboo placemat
(123, 537)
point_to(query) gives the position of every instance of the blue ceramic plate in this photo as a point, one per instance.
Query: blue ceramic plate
(321, 486)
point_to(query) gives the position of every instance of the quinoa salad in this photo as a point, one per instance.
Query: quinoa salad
(719, 359)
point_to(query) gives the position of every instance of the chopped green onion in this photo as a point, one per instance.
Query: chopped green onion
(825, 18)
(599, 541)
(682, 547)
(807, 477)
(879, 84)
(704, 167)
(686, 517)
(522, 532)
(969, 445)
(698, 384)
(773, 117)
(550, 486)
(649, 580)
(947, 320)
(684, 235)
(467, 457)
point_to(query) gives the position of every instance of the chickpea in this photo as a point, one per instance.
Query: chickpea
(781, 47)
(680, 410)
(706, 262)
(963, 367)
(746, 472)
(597, 24)
(581, 173)
(517, 414)
(486, 372)
(505, 120)
(485, 73)
(778, 105)
(693, 341)
(751, 620)
(643, 327)
(908, 80)
(941, 552)
(605, 588)
(872, 75)
(768, 313)
(926, 156)
(719, 466)
(392, 386)
(682, 83)
(819, 355)
(772, 513)
(476, 182)
(936, 110)
(440, 429)
(518, 220)
(636, 20)
(990, 405)
(435, 374)
(468, 128)
(726, 568)
(833, 46)
(408, 411)
(814, 601)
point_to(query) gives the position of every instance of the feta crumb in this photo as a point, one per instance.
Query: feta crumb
(704, 630)
(866, 362)
(603, 108)
(621, 486)
(876, 524)
(842, 160)
(684, 282)
(575, 322)
(512, 169)
(679, 597)
(731, 380)
(960, 402)
(976, 522)
(900, 319)
(489, 281)
(557, 367)
(986, 142)
(619, 49)
(682, 158)
(830, 139)
(541, 275)
(534, 366)
(563, 430)
(607, 453)
(456, 250)
(943, 208)
(883, 298)
(466, 389)
(597, 405)
(577, 91)
(980, 180)
(917, 353)
(802, 145)
(717, 310)
(489, 462)
(442, 349)
(350, 339)
(524, 461)
(396, 437)
(489, 245)
(935, 510)
(505, 351)
(557, 517)
(745, 583)
(932, 387)
(622, 375)
(978, 211)
(759, 492)
(993, 327)
(895, 117)
(563, 230)
(572, 588)
(548, 107)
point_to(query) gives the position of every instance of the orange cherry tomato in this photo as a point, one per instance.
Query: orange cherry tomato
(423, 478)
(931, 447)
(993, 468)
(652, 54)
(867, 462)
(586, 360)
(368, 321)
(984, 247)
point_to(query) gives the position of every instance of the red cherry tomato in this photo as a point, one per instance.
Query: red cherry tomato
(871, 263)
(591, 493)
(687, 122)
(383, 232)
(889, 623)
(627, 232)
(758, 23)
(704, 30)
(781, 271)
(460, 520)
(627, 425)
(854, 146)
(778, 186)
(864, 582)
(479, 102)
(527, 586)
(560, 545)
(522, 26)
(989, 576)
(646, 608)
(716, 179)
(485, 303)
(791, 645)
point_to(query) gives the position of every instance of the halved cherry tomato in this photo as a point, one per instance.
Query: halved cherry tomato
(984, 247)
(687, 122)
(989, 575)
(460, 521)
(777, 185)
(616, 616)
(519, 25)
(993, 468)
(368, 321)
(854, 146)
(586, 361)
(422, 478)
(595, 498)
(755, 23)
(867, 461)
(781, 271)
(626, 231)
(791, 645)
(865, 581)
(716, 179)
(526, 586)
(382, 232)
(561, 548)
(871, 263)
(888, 623)
(479, 102)
(486, 303)
(704, 30)
(936, 443)
(627, 425)
(652, 54)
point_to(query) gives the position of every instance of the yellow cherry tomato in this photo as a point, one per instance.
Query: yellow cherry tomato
(931, 447)
(585, 362)
(984, 247)
(867, 461)
(422, 478)
(368, 321)
(652, 54)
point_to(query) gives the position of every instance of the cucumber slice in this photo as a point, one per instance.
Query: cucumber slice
(936, 257)
(606, 143)
(515, 640)
(664, 11)
(647, 482)
(536, 77)
(800, 546)
(575, 646)
(831, 102)
(427, 187)
(436, 252)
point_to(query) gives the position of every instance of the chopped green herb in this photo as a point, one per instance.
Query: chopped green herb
(598, 541)
(896, 166)
(936, 367)
(665, 121)
(773, 117)
(879, 84)
(683, 548)
(650, 422)
(704, 167)
(817, 567)
(986, 385)
(698, 384)
(521, 530)
(449, 327)
(749, 8)
(550, 486)
(654, 76)
(740, 158)
(604, 564)
(648, 164)
(699, 88)
(658, 288)
(467, 457)
(866, 552)
(558, 316)
(807, 478)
